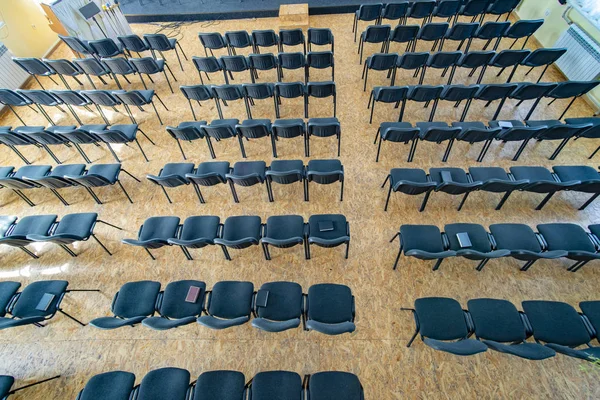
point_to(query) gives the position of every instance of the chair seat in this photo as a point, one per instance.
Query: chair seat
(284, 230)
(164, 384)
(25, 307)
(278, 385)
(424, 126)
(515, 237)
(593, 132)
(534, 174)
(200, 227)
(214, 167)
(284, 302)
(458, 175)
(324, 165)
(231, 122)
(58, 128)
(129, 130)
(334, 385)
(32, 171)
(576, 173)
(408, 174)
(330, 303)
(586, 353)
(254, 122)
(218, 323)
(35, 224)
(108, 171)
(194, 124)
(243, 168)
(529, 351)
(92, 127)
(163, 324)
(469, 125)
(115, 385)
(242, 227)
(220, 385)
(401, 125)
(339, 230)
(68, 169)
(465, 347)
(179, 169)
(29, 129)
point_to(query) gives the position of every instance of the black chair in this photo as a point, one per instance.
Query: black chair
(231, 64)
(454, 181)
(499, 325)
(320, 90)
(43, 98)
(388, 94)
(80, 47)
(227, 93)
(103, 48)
(328, 230)
(220, 385)
(208, 174)
(101, 98)
(43, 137)
(99, 175)
(175, 308)
(257, 91)
(247, 173)
(323, 385)
(288, 129)
(480, 248)
(207, 65)
(380, 62)
(254, 129)
(228, 304)
(438, 132)
(13, 99)
(262, 62)
(424, 94)
(264, 38)
(78, 136)
(395, 11)
(133, 43)
(571, 238)
(323, 127)
(114, 385)
(523, 243)
(153, 384)
(397, 132)
(588, 176)
(139, 98)
(320, 37)
(542, 57)
(197, 232)
(509, 58)
(460, 32)
(171, 175)
(200, 93)
(424, 242)
(443, 325)
(531, 91)
(367, 12)
(502, 7)
(120, 66)
(474, 60)
(488, 32)
(55, 179)
(16, 182)
(291, 37)
(237, 40)
(286, 172)
(432, 32)
(71, 98)
(421, 10)
(212, 41)
(73, 228)
(35, 67)
(496, 180)
(160, 42)
(283, 231)
(404, 34)
(278, 306)
(239, 233)
(592, 133)
(289, 90)
(472, 8)
(276, 385)
(574, 89)
(120, 134)
(475, 132)
(493, 92)
(330, 309)
(458, 94)
(290, 61)
(411, 181)
(93, 67)
(149, 66)
(65, 68)
(412, 62)
(188, 131)
(15, 233)
(446, 9)
(324, 172)
(319, 60)
(523, 29)
(155, 232)
(555, 130)
(561, 328)
(541, 180)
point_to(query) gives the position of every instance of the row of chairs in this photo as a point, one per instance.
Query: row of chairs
(174, 384)
(62, 176)
(233, 40)
(265, 62)
(426, 10)
(80, 98)
(487, 92)
(439, 32)
(478, 132)
(497, 324)
(518, 241)
(276, 306)
(67, 135)
(455, 181)
(221, 129)
(241, 232)
(452, 60)
(260, 91)
(71, 228)
(249, 173)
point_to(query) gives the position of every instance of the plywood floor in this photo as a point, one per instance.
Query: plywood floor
(377, 351)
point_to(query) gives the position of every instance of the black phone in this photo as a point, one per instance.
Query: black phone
(262, 297)
(325, 226)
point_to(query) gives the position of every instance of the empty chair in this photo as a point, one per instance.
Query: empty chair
(207, 65)
(289, 90)
(591, 133)
(120, 66)
(460, 32)
(17, 183)
(120, 134)
(219, 385)
(397, 132)
(177, 306)
(104, 48)
(219, 129)
(16, 234)
(254, 129)
(496, 180)
(404, 34)
(379, 34)
(323, 127)
(488, 32)
(508, 58)
(237, 40)
(561, 328)
(493, 92)
(522, 29)
(542, 57)
(286, 172)
(330, 309)
(228, 304)
(290, 61)
(388, 94)
(432, 32)
(438, 132)
(477, 246)
(324, 172)
(133, 43)
(319, 60)
(555, 130)
(112, 385)
(395, 11)
(321, 90)
(421, 10)
(446, 9)
(80, 47)
(323, 385)
(197, 232)
(411, 181)
(149, 66)
(291, 37)
(43, 98)
(424, 94)
(160, 42)
(208, 174)
(199, 93)
(72, 98)
(226, 93)
(239, 232)
(44, 137)
(457, 94)
(541, 181)
(264, 38)
(367, 12)
(35, 67)
(276, 385)
(454, 181)
(99, 175)
(163, 383)
(101, 98)
(523, 243)
(412, 62)
(328, 230)
(474, 60)
(188, 131)
(212, 41)
(139, 98)
(262, 62)
(289, 129)
(380, 62)
(442, 325)
(442, 60)
(55, 179)
(154, 233)
(171, 175)
(134, 302)
(257, 91)
(92, 67)
(320, 37)
(571, 238)
(502, 7)
(278, 306)
(475, 132)
(574, 89)
(11, 139)
(283, 231)
(13, 99)
(235, 64)
(247, 173)
(65, 68)
(531, 91)
(498, 324)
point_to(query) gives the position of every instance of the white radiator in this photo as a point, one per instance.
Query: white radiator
(581, 62)
(11, 75)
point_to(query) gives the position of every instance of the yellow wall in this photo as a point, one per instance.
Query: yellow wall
(26, 32)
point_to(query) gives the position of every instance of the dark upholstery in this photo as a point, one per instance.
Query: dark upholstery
(6, 382)
(79, 225)
(458, 175)
(155, 228)
(591, 309)
(164, 384)
(477, 235)
(333, 385)
(7, 290)
(515, 237)
(339, 226)
(33, 293)
(441, 318)
(282, 228)
(241, 227)
(496, 320)
(276, 385)
(556, 322)
(570, 237)
(114, 385)
(422, 237)
(220, 385)
(136, 299)
(174, 304)
(330, 303)
(284, 301)
(231, 299)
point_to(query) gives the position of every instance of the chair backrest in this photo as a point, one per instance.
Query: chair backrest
(502, 7)
(433, 31)
(320, 36)
(33, 66)
(523, 28)
(133, 97)
(212, 40)
(289, 128)
(320, 89)
(44, 137)
(459, 92)
(475, 7)
(390, 94)
(291, 60)
(258, 90)
(263, 62)
(265, 38)
(197, 92)
(118, 65)
(207, 64)
(189, 132)
(447, 8)
(319, 59)
(395, 11)
(234, 63)
(41, 97)
(101, 97)
(572, 88)
(133, 43)
(519, 133)
(291, 37)
(91, 66)
(159, 41)
(323, 127)
(561, 131)
(509, 58)
(396, 134)
(412, 60)
(63, 67)
(439, 134)
(111, 135)
(476, 59)
(421, 9)
(145, 65)
(425, 93)
(491, 30)
(529, 91)
(228, 92)
(369, 12)
(253, 129)
(70, 97)
(540, 57)
(77, 136)
(496, 320)
(377, 33)
(444, 59)
(13, 98)
(75, 44)
(495, 91)
(14, 139)
(478, 134)
(289, 90)
(382, 61)
(404, 33)
(556, 322)
(219, 131)
(447, 323)
(238, 39)
(462, 30)
(105, 47)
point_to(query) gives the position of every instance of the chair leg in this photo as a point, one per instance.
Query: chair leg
(55, 192)
(29, 252)
(578, 266)
(387, 201)
(198, 193)
(150, 254)
(16, 115)
(587, 203)
(22, 196)
(233, 191)
(527, 265)
(594, 153)
(482, 264)
(342, 191)
(266, 251)
(91, 192)
(503, 200)
(226, 253)
(156, 111)
(141, 150)
(71, 317)
(437, 264)
(521, 148)
(559, 148)
(543, 203)
(22, 157)
(125, 192)
(68, 250)
(82, 153)
(448, 149)
(425, 199)
(463, 201)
